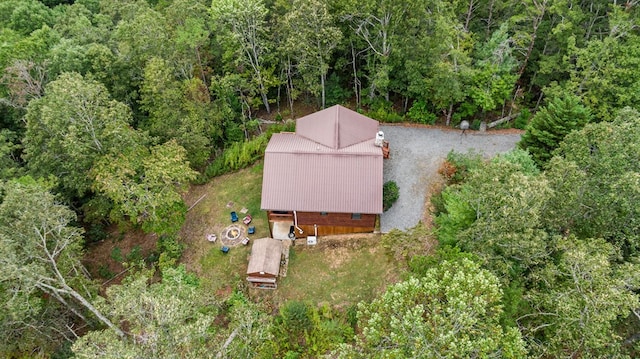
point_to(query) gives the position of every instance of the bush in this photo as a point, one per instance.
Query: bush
(382, 110)
(242, 154)
(116, 255)
(462, 163)
(401, 245)
(420, 264)
(522, 120)
(420, 113)
(390, 194)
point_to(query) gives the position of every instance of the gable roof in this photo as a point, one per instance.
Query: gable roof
(301, 174)
(336, 127)
(265, 257)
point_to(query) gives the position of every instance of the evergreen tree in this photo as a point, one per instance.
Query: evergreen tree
(551, 124)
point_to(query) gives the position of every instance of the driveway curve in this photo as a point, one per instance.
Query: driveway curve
(416, 155)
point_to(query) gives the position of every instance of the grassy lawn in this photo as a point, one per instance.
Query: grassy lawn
(338, 271)
(341, 271)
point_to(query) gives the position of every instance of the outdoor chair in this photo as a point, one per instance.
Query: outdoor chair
(234, 217)
(246, 219)
(252, 230)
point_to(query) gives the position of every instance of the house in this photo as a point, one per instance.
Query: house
(264, 263)
(326, 178)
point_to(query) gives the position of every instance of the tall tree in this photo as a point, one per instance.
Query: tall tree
(578, 301)
(245, 24)
(312, 37)
(596, 178)
(551, 124)
(41, 250)
(451, 312)
(164, 320)
(70, 127)
(378, 23)
(145, 185)
(603, 71)
(179, 110)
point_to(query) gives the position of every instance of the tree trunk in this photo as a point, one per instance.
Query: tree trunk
(322, 76)
(356, 81)
(95, 312)
(448, 113)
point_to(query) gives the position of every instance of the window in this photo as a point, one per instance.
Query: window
(356, 216)
(324, 213)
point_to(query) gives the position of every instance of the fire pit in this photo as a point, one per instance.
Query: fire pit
(232, 235)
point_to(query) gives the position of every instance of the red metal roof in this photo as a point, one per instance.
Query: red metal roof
(337, 127)
(319, 175)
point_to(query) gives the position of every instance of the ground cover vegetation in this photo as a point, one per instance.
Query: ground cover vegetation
(109, 109)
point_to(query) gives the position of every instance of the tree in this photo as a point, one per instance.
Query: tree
(603, 72)
(596, 178)
(378, 23)
(144, 185)
(578, 301)
(245, 22)
(498, 214)
(41, 250)
(311, 38)
(551, 124)
(164, 320)
(73, 125)
(451, 312)
(178, 110)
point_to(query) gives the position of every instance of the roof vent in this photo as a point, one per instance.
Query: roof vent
(379, 138)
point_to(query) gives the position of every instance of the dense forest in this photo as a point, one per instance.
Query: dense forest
(111, 108)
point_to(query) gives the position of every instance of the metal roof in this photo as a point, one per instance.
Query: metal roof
(336, 127)
(265, 257)
(305, 175)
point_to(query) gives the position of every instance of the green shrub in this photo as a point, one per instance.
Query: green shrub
(463, 164)
(135, 255)
(116, 255)
(170, 251)
(104, 272)
(522, 120)
(382, 110)
(390, 194)
(420, 113)
(170, 246)
(306, 331)
(420, 264)
(242, 154)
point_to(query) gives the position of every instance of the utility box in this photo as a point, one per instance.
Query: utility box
(312, 240)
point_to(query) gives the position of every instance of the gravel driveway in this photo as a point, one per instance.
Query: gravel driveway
(416, 155)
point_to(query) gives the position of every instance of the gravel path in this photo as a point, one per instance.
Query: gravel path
(416, 155)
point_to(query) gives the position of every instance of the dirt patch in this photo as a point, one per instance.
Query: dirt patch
(104, 259)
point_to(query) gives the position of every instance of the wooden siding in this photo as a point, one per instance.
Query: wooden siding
(329, 224)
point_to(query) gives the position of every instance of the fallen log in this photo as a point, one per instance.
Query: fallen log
(502, 120)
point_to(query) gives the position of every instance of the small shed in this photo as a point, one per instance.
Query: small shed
(264, 263)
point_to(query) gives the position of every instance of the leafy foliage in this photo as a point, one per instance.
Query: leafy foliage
(551, 124)
(390, 194)
(455, 305)
(163, 320)
(144, 186)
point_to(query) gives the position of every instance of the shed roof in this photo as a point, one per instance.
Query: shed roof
(303, 174)
(265, 257)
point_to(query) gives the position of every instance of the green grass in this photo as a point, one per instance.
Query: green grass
(338, 272)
